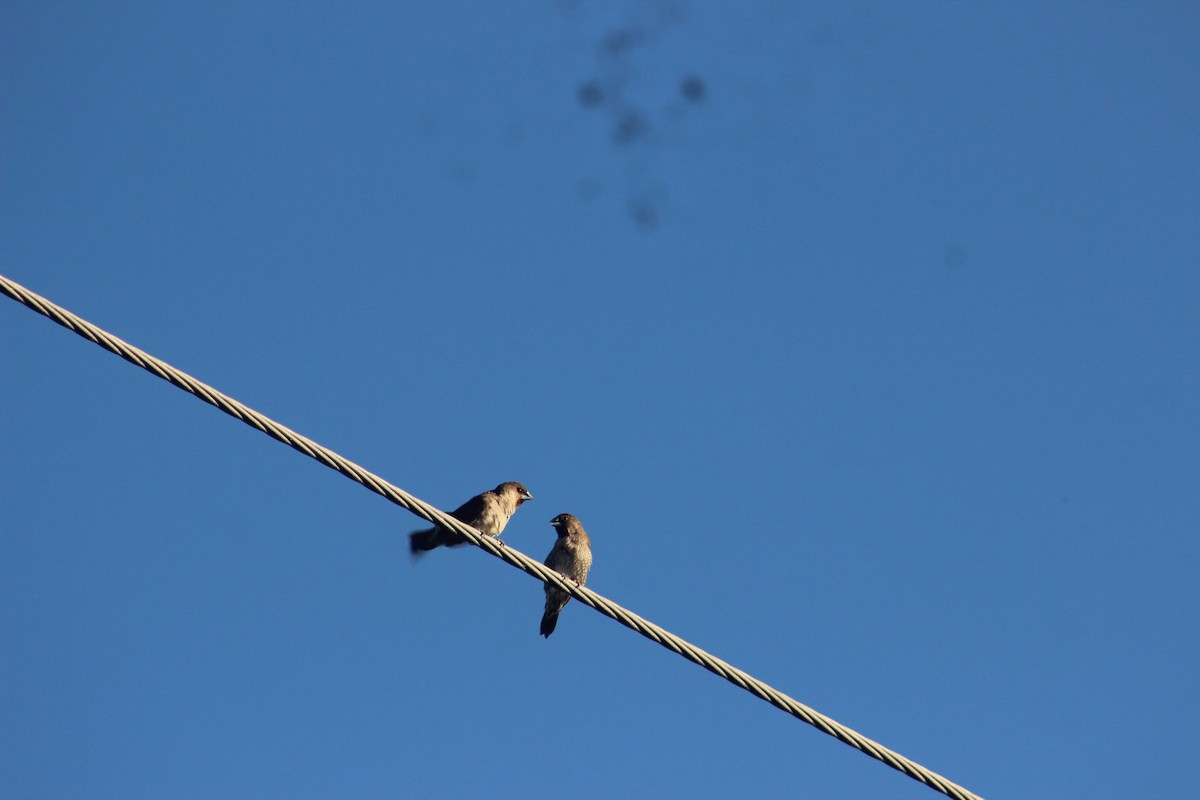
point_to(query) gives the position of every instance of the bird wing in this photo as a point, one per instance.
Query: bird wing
(471, 510)
(558, 559)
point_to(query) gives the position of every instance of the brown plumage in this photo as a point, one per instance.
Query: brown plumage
(487, 513)
(571, 556)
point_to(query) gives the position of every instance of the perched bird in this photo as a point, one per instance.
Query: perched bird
(487, 513)
(571, 557)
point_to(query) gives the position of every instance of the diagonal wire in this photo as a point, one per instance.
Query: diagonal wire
(487, 543)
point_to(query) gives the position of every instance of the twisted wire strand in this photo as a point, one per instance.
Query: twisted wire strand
(490, 544)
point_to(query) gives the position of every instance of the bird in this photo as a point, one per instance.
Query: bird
(487, 513)
(571, 557)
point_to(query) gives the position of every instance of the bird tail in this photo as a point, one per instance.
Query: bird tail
(421, 541)
(549, 621)
(556, 600)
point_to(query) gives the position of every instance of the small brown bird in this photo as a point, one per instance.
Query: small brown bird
(487, 513)
(571, 557)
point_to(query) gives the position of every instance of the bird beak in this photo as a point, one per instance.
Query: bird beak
(526, 496)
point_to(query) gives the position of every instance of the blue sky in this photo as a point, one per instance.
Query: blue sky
(868, 362)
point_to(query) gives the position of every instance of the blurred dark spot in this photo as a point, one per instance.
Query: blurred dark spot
(826, 34)
(462, 61)
(693, 89)
(426, 123)
(587, 189)
(619, 42)
(514, 134)
(590, 94)
(955, 255)
(631, 126)
(799, 84)
(644, 213)
(463, 173)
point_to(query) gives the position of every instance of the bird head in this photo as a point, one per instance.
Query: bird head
(563, 523)
(515, 488)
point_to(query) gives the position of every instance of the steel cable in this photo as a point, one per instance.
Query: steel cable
(487, 543)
